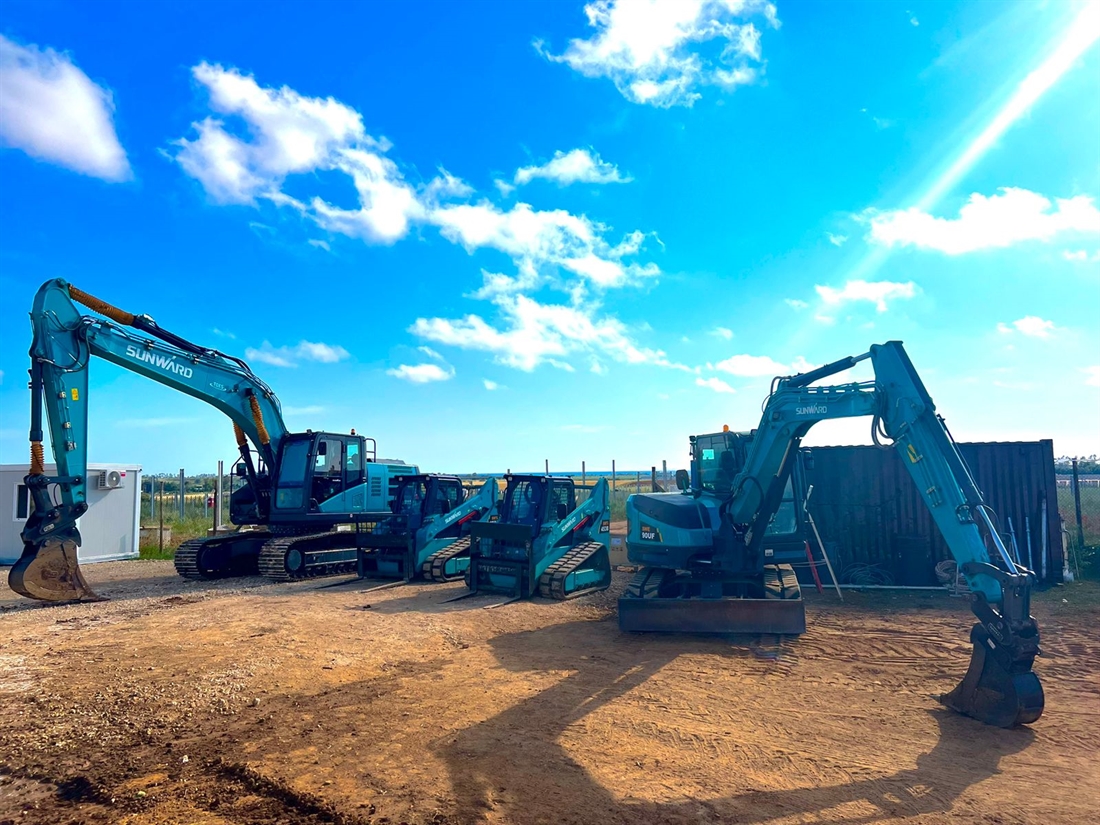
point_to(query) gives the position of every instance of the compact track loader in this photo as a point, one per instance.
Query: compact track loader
(544, 543)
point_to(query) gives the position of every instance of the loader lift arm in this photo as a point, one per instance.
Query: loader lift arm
(63, 343)
(999, 687)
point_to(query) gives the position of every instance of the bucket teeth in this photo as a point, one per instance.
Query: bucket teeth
(993, 693)
(51, 573)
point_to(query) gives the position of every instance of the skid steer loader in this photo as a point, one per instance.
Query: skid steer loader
(427, 534)
(544, 543)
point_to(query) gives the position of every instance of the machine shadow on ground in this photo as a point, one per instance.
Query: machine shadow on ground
(490, 763)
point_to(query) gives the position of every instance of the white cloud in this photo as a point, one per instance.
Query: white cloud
(879, 293)
(660, 52)
(279, 133)
(794, 303)
(422, 373)
(261, 137)
(533, 333)
(722, 332)
(716, 384)
(319, 244)
(753, 366)
(1092, 375)
(221, 333)
(538, 240)
(490, 385)
(288, 133)
(598, 368)
(309, 409)
(431, 353)
(997, 221)
(575, 166)
(836, 240)
(1081, 256)
(1030, 325)
(53, 111)
(291, 356)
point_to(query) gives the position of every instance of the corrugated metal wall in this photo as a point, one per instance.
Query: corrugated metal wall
(865, 502)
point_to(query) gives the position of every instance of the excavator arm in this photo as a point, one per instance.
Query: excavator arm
(1000, 687)
(64, 340)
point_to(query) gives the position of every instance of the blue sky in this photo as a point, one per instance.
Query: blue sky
(493, 234)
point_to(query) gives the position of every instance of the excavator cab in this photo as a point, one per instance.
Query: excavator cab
(315, 467)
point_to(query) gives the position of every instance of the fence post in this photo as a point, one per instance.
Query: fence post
(653, 480)
(638, 481)
(152, 497)
(160, 532)
(181, 494)
(548, 466)
(1077, 507)
(613, 485)
(583, 479)
(664, 473)
(218, 498)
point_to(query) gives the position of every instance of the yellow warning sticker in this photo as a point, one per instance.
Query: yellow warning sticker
(913, 457)
(76, 394)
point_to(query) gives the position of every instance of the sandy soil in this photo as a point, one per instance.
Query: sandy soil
(245, 702)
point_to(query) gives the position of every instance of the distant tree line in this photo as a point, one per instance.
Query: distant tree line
(1085, 466)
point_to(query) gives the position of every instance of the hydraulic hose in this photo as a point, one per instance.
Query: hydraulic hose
(258, 419)
(102, 307)
(38, 459)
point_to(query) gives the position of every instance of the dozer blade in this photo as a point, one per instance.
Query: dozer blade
(654, 614)
(991, 693)
(52, 574)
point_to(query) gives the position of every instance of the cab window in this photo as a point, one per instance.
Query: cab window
(353, 464)
(290, 487)
(785, 520)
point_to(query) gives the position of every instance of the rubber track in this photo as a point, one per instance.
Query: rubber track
(552, 581)
(187, 559)
(436, 563)
(647, 582)
(783, 577)
(272, 561)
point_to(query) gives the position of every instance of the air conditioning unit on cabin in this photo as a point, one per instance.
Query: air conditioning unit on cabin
(110, 480)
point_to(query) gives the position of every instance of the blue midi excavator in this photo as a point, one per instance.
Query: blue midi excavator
(297, 490)
(427, 534)
(544, 543)
(710, 565)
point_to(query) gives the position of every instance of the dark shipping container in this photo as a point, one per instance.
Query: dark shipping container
(865, 503)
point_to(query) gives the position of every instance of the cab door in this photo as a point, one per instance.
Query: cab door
(338, 474)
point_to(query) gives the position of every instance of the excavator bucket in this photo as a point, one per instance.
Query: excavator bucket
(50, 572)
(993, 693)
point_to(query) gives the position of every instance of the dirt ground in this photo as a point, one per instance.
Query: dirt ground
(247, 702)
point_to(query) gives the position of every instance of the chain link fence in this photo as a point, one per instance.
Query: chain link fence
(1079, 506)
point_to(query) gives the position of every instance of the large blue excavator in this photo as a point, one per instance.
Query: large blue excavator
(709, 565)
(298, 488)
